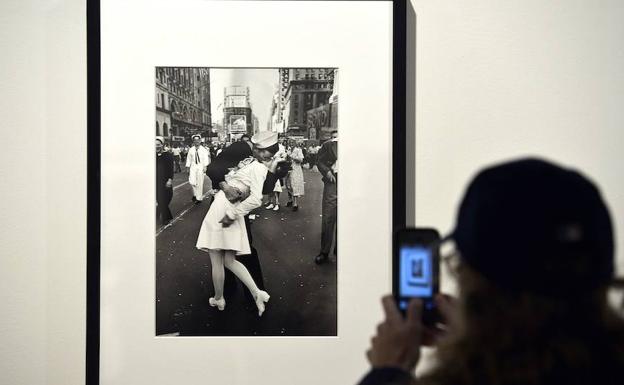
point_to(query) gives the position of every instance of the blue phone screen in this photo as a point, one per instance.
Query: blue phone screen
(416, 279)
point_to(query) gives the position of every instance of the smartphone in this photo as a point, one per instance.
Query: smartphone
(416, 269)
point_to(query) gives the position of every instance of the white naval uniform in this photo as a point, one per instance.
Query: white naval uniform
(197, 160)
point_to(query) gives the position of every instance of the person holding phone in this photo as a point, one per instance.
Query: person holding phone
(534, 261)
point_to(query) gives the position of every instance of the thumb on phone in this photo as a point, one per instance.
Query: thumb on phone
(414, 313)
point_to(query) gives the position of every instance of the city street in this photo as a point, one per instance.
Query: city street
(303, 295)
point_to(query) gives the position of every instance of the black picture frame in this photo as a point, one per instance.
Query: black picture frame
(402, 19)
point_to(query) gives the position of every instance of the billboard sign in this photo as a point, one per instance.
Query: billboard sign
(319, 117)
(239, 101)
(238, 124)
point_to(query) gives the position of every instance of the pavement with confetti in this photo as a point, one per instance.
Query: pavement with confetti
(303, 295)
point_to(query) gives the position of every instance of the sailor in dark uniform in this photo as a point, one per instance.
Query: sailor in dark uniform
(327, 163)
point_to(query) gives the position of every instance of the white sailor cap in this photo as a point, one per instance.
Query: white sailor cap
(160, 139)
(196, 136)
(264, 139)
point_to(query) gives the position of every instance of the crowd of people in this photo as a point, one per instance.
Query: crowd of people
(244, 176)
(197, 156)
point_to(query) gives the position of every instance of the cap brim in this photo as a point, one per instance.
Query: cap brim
(442, 240)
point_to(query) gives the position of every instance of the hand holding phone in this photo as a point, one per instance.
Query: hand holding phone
(416, 270)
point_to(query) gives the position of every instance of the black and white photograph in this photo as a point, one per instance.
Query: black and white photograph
(246, 201)
(221, 234)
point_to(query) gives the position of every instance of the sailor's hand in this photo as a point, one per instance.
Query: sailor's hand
(226, 221)
(330, 177)
(169, 183)
(230, 192)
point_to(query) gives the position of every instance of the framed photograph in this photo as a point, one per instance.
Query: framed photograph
(215, 214)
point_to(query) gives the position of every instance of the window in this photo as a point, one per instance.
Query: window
(157, 129)
(165, 130)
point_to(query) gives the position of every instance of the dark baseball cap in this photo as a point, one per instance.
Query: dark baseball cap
(531, 225)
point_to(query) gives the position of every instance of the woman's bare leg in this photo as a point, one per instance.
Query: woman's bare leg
(218, 272)
(242, 273)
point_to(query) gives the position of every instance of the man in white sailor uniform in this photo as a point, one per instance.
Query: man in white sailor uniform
(197, 160)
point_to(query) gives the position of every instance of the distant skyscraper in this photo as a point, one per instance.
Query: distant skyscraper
(237, 112)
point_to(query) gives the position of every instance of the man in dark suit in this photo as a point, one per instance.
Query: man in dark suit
(164, 183)
(327, 163)
(216, 171)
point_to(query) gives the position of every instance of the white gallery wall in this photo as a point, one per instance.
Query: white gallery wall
(495, 79)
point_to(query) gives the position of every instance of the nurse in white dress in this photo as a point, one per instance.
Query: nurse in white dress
(274, 199)
(197, 160)
(223, 234)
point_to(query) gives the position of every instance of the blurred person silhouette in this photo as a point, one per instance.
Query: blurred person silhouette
(534, 261)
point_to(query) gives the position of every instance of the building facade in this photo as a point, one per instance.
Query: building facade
(183, 103)
(238, 118)
(302, 90)
(323, 120)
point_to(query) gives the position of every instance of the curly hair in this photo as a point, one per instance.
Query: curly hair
(525, 339)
